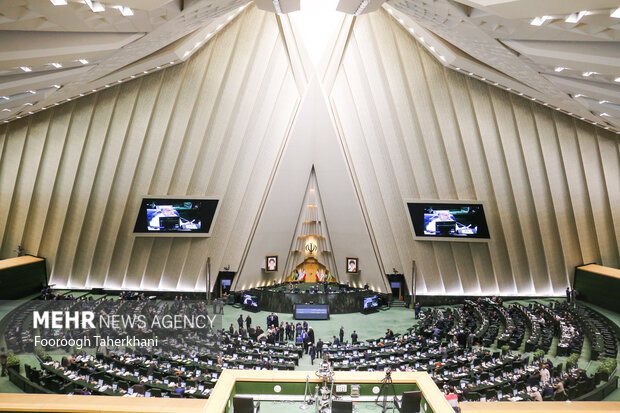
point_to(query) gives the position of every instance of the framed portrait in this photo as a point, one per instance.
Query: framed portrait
(352, 265)
(271, 263)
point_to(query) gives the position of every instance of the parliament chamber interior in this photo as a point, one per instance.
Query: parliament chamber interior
(234, 206)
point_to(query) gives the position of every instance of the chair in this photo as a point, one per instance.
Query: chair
(410, 402)
(244, 404)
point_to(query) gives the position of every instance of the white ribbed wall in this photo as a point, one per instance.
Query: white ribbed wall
(71, 177)
(417, 130)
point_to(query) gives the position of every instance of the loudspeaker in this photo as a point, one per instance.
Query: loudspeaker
(339, 406)
(410, 403)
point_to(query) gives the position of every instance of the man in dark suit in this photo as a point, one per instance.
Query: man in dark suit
(354, 337)
(311, 334)
(319, 348)
(240, 321)
(312, 352)
(341, 334)
(248, 322)
(336, 341)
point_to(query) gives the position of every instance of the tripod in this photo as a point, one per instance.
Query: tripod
(386, 383)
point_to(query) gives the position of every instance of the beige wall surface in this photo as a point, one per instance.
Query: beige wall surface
(71, 177)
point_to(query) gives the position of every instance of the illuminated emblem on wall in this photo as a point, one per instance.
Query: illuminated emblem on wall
(311, 249)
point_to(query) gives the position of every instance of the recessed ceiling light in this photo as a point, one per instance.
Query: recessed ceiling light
(30, 113)
(32, 91)
(604, 114)
(442, 58)
(422, 39)
(25, 68)
(184, 55)
(411, 30)
(56, 65)
(575, 17)
(615, 13)
(56, 86)
(4, 97)
(158, 67)
(68, 99)
(231, 17)
(559, 69)
(133, 76)
(83, 61)
(617, 79)
(578, 95)
(28, 104)
(539, 21)
(59, 2)
(95, 6)
(81, 94)
(125, 11)
(6, 110)
(600, 102)
(107, 85)
(588, 74)
(146, 71)
(119, 81)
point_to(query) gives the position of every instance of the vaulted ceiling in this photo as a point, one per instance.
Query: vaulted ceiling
(564, 54)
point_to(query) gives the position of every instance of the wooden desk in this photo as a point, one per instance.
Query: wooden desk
(599, 269)
(97, 404)
(226, 384)
(18, 261)
(547, 407)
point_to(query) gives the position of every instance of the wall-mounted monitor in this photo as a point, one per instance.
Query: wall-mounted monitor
(178, 216)
(448, 220)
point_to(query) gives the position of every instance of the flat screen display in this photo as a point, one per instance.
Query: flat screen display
(175, 216)
(250, 300)
(448, 220)
(371, 302)
(311, 312)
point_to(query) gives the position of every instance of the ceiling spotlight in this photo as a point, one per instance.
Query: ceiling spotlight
(83, 61)
(56, 86)
(4, 97)
(559, 69)
(615, 13)
(361, 7)
(539, 21)
(588, 74)
(575, 17)
(125, 11)
(600, 102)
(56, 65)
(27, 104)
(59, 2)
(578, 95)
(95, 6)
(617, 79)
(32, 91)
(6, 110)
(276, 6)
(25, 68)
(604, 114)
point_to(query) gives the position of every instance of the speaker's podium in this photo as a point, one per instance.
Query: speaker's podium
(244, 404)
